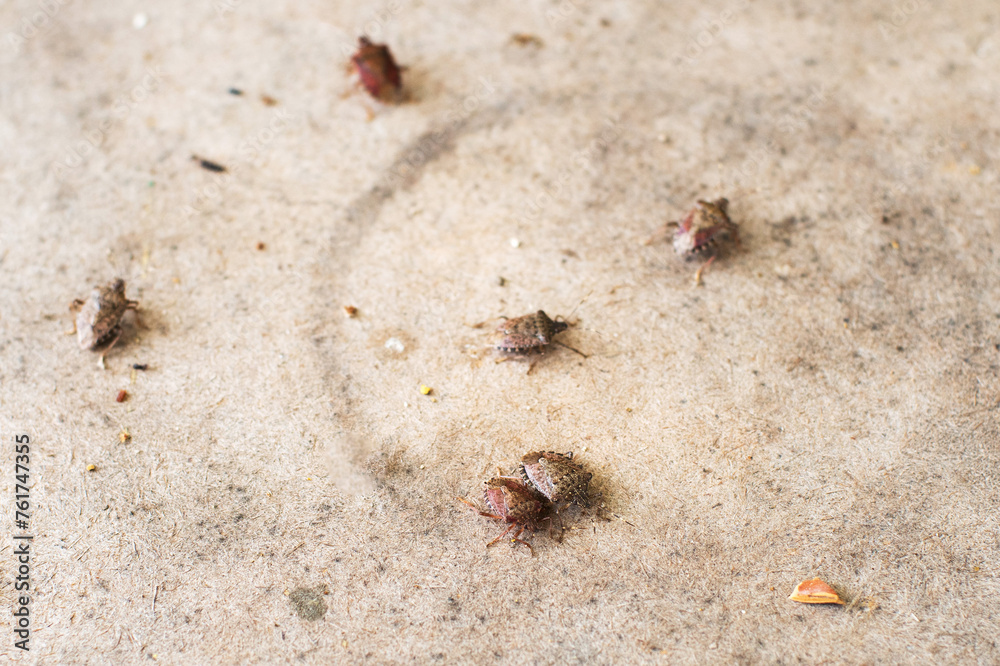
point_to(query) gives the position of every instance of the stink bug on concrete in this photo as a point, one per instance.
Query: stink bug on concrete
(529, 334)
(513, 502)
(557, 476)
(698, 233)
(704, 225)
(377, 71)
(98, 318)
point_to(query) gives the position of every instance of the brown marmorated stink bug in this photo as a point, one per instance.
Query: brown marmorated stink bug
(515, 503)
(703, 227)
(98, 317)
(557, 476)
(529, 334)
(377, 71)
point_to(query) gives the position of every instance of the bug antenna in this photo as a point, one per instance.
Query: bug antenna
(568, 317)
(563, 344)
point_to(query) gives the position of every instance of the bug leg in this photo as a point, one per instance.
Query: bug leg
(74, 307)
(562, 344)
(697, 275)
(480, 511)
(515, 540)
(503, 534)
(663, 232)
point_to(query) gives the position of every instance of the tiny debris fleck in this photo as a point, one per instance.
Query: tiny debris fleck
(501, 281)
(124, 436)
(815, 591)
(425, 389)
(524, 39)
(343, 643)
(514, 242)
(235, 91)
(395, 344)
(268, 100)
(122, 396)
(139, 21)
(140, 366)
(352, 312)
(91, 468)
(209, 165)
(377, 71)
(261, 246)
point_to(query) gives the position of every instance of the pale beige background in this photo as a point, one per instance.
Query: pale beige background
(826, 404)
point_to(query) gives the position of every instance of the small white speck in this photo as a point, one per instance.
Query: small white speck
(395, 344)
(139, 21)
(515, 242)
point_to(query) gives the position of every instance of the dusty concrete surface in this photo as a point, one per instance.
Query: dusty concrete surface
(824, 405)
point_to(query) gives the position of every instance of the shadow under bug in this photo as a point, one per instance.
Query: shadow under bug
(515, 503)
(97, 324)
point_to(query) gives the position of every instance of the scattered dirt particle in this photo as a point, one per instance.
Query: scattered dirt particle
(308, 603)
(122, 396)
(524, 39)
(815, 591)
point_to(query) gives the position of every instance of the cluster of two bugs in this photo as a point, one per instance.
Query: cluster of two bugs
(548, 481)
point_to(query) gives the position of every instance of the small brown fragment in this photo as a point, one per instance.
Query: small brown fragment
(261, 246)
(209, 165)
(268, 100)
(124, 436)
(350, 311)
(525, 39)
(815, 591)
(91, 468)
(122, 396)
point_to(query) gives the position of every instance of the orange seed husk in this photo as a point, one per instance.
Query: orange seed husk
(815, 591)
